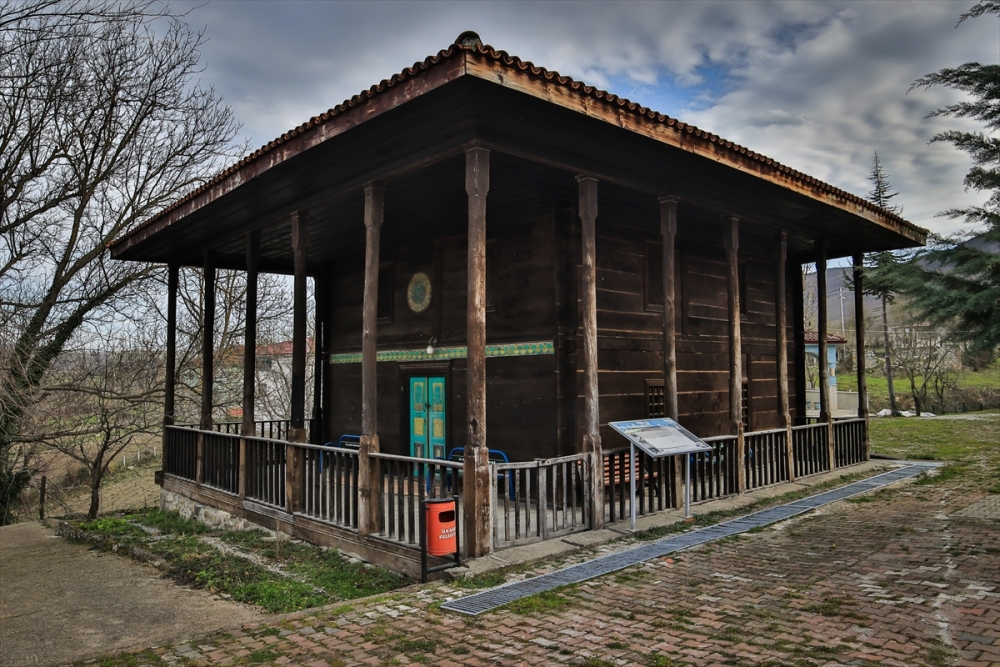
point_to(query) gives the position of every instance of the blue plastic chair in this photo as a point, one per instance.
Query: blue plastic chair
(495, 456)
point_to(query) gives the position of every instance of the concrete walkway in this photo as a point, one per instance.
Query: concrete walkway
(61, 602)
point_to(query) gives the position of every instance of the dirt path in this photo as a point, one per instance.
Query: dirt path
(61, 602)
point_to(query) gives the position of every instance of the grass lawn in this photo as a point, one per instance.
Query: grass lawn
(971, 444)
(878, 388)
(280, 576)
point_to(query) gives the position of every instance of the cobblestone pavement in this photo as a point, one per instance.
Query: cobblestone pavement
(892, 578)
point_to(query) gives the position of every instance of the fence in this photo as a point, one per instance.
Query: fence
(274, 429)
(766, 458)
(714, 474)
(265, 471)
(330, 485)
(655, 484)
(540, 499)
(811, 445)
(405, 482)
(180, 452)
(849, 441)
(220, 461)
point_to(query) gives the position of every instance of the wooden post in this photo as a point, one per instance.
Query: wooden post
(249, 353)
(170, 372)
(859, 354)
(207, 362)
(250, 337)
(824, 369)
(41, 498)
(588, 301)
(731, 242)
(478, 485)
(369, 478)
(781, 345)
(294, 456)
(668, 232)
(319, 333)
(799, 342)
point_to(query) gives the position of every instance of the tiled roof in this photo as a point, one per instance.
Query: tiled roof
(812, 337)
(540, 72)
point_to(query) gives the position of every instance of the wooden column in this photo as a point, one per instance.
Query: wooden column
(319, 354)
(795, 280)
(250, 335)
(731, 242)
(825, 415)
(859, 353)
(249, 353)
(207, 359)
(668, 232)
(781, 345)
(295, 456)
(170, 372)
(369, 479)
(478, 485)
(821, 316)
(588, 316)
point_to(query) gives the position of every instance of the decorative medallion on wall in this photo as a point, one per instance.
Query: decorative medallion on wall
(418, 293)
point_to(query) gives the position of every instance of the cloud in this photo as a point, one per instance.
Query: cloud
(817, 86)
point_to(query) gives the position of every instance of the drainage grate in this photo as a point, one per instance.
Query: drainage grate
(478, 603)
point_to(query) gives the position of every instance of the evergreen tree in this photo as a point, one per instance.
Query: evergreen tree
(880, 269)
(954, 282)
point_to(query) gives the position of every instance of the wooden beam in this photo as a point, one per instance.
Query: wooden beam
(208, 343)
(781, 345)
(478, 485)
(319, 329)
(822, 319)
(731, 242)
(799, 341)
(369, 478)
(859, 335)
(587, 185)
(668, 230)
(170, 372)
(300, 245)
(250, 336)
(249, 354)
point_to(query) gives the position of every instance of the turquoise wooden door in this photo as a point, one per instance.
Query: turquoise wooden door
(427, 417)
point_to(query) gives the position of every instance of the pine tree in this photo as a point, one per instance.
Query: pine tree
(956, 283)
(880, 269)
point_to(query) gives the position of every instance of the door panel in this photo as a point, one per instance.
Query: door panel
(436, 417)
(418, 417)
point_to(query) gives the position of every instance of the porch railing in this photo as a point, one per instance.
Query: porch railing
(180, 451)
(540, 499)
(655, 484)
(765, 458)
(405, 482)
(265, 471)
(849, 441)
(330, 484)
(811, 445)
(221, 461)
(714, 473)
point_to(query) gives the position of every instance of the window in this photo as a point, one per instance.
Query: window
(655, 405)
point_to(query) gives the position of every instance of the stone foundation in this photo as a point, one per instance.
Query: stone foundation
(210, 516)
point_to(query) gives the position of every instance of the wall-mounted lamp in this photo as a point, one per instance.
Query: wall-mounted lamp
(430, 346)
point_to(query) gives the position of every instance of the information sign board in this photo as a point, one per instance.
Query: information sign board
(660, 437)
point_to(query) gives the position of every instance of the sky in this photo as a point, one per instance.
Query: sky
(818, 86)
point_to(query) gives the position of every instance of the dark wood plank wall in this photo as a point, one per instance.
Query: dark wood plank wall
(521, 394)
(630, 332)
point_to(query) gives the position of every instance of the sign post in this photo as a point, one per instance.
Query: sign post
(659, 438)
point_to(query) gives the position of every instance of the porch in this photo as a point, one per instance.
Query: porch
(313, 492)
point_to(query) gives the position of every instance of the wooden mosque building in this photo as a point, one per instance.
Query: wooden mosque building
(506, 260)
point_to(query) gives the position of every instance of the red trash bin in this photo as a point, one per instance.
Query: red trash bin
(442, 527)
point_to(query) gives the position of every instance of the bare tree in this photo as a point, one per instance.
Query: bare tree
(100, 401)
(926, 362)
(104, 123)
